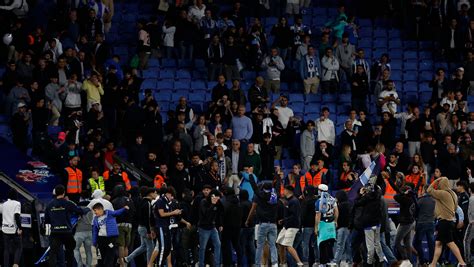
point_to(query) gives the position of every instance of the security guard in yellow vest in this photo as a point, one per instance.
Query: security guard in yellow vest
(96, 181)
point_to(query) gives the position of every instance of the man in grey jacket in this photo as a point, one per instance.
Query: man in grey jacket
(307, 145)
(83, 235)
(425, 225)
(274, 65)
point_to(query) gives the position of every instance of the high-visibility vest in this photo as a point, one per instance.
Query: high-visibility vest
(315, 180)
(389, 191)
(415, 179)
(125, 179)
(74, 181)
(99, 184)
(159, 181)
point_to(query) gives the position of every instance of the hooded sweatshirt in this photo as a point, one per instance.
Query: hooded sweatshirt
(446, 199)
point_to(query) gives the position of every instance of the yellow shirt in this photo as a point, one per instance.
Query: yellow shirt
(93, 92)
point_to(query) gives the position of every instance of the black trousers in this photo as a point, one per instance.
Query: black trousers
(163, 245)
(55, 242)
(230, 239)
(11, 245)
(106, 247)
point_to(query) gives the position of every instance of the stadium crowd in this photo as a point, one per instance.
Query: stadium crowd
(243, 181)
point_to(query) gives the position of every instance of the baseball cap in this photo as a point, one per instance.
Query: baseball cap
(323, 187)
(21, 104)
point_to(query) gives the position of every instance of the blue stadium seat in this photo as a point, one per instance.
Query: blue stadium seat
(396, 54)
(395, 43)
(410, 98)
(379, 52)
(410, 45)
(394, 34)
(365, 44)
(165, 85)
(426, 45)
(329, 98)
(410, 55)
(196, 98)
(199, 63)
(183, 74)
(197, 85)
(426, 64)
(344, 98)
(164, 105)
(425, 55)
(153, 63)
(365, 23)
(150, 74)
(365, 33)
(343, 109)
(168, 63)
(380, 43)
(443, 65)
(244, 85)
(198, 74)
(211, 84)
(167, 74)
(120, 50)
(313, 98)
(424, 87)
(426, 76)
(396, 64)
(341, 119)
(410, 76)
(271, 21)
(162, 97)
(284, 87)
(410, 86)
(182, 85)
(297, 107)
(249, 75)
(148, 84)
(410, 65)
(130, 18)
(185, 63)
(296, 98)
(425, 97)
(396, 75)
(380, 33)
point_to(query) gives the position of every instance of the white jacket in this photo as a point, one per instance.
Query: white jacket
(330, 68)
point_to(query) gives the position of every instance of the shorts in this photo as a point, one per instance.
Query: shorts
(125, 236)
(445, 231)
(286, 237)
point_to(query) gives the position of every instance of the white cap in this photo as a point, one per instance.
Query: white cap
(460, 68)
(21, 104)
(323, 187)
(98, 194)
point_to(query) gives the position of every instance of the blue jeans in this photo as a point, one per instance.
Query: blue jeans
(204, 236)
(387, 251)
(266, 232)
(309, 240)
(145, 245)
(86, 239)
(424, 230)
(343, 246)
(247, 243)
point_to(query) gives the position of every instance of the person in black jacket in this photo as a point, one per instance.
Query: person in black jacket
(146, 222)
(59, 228)
(265, 208)
(368, 219)
(406, 197)
(231, 227)
(247, 230)
(291, 223)
(267, 157)
(124, 221)
(307, 224)
(153, 127)
(359, 89)
(343, 249)
(210, 218)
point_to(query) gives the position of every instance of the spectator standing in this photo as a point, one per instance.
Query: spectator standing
(330, 69)
(274, 65)
(73, 179)
(19, 124)
(169, 31)
(359, 88)
(360, 60)
(307, 145)
(210, 220)
(283, 37)
(425, 226)
(83, 235)
(310, 71)
(345, 55)
(11, 229)
(215, 54)
(325, 128)
(94, 90)
(242, 127)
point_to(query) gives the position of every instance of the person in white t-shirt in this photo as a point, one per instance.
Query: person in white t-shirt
(11, 228)
(388, 98)
(325, 128)
(284, 112)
